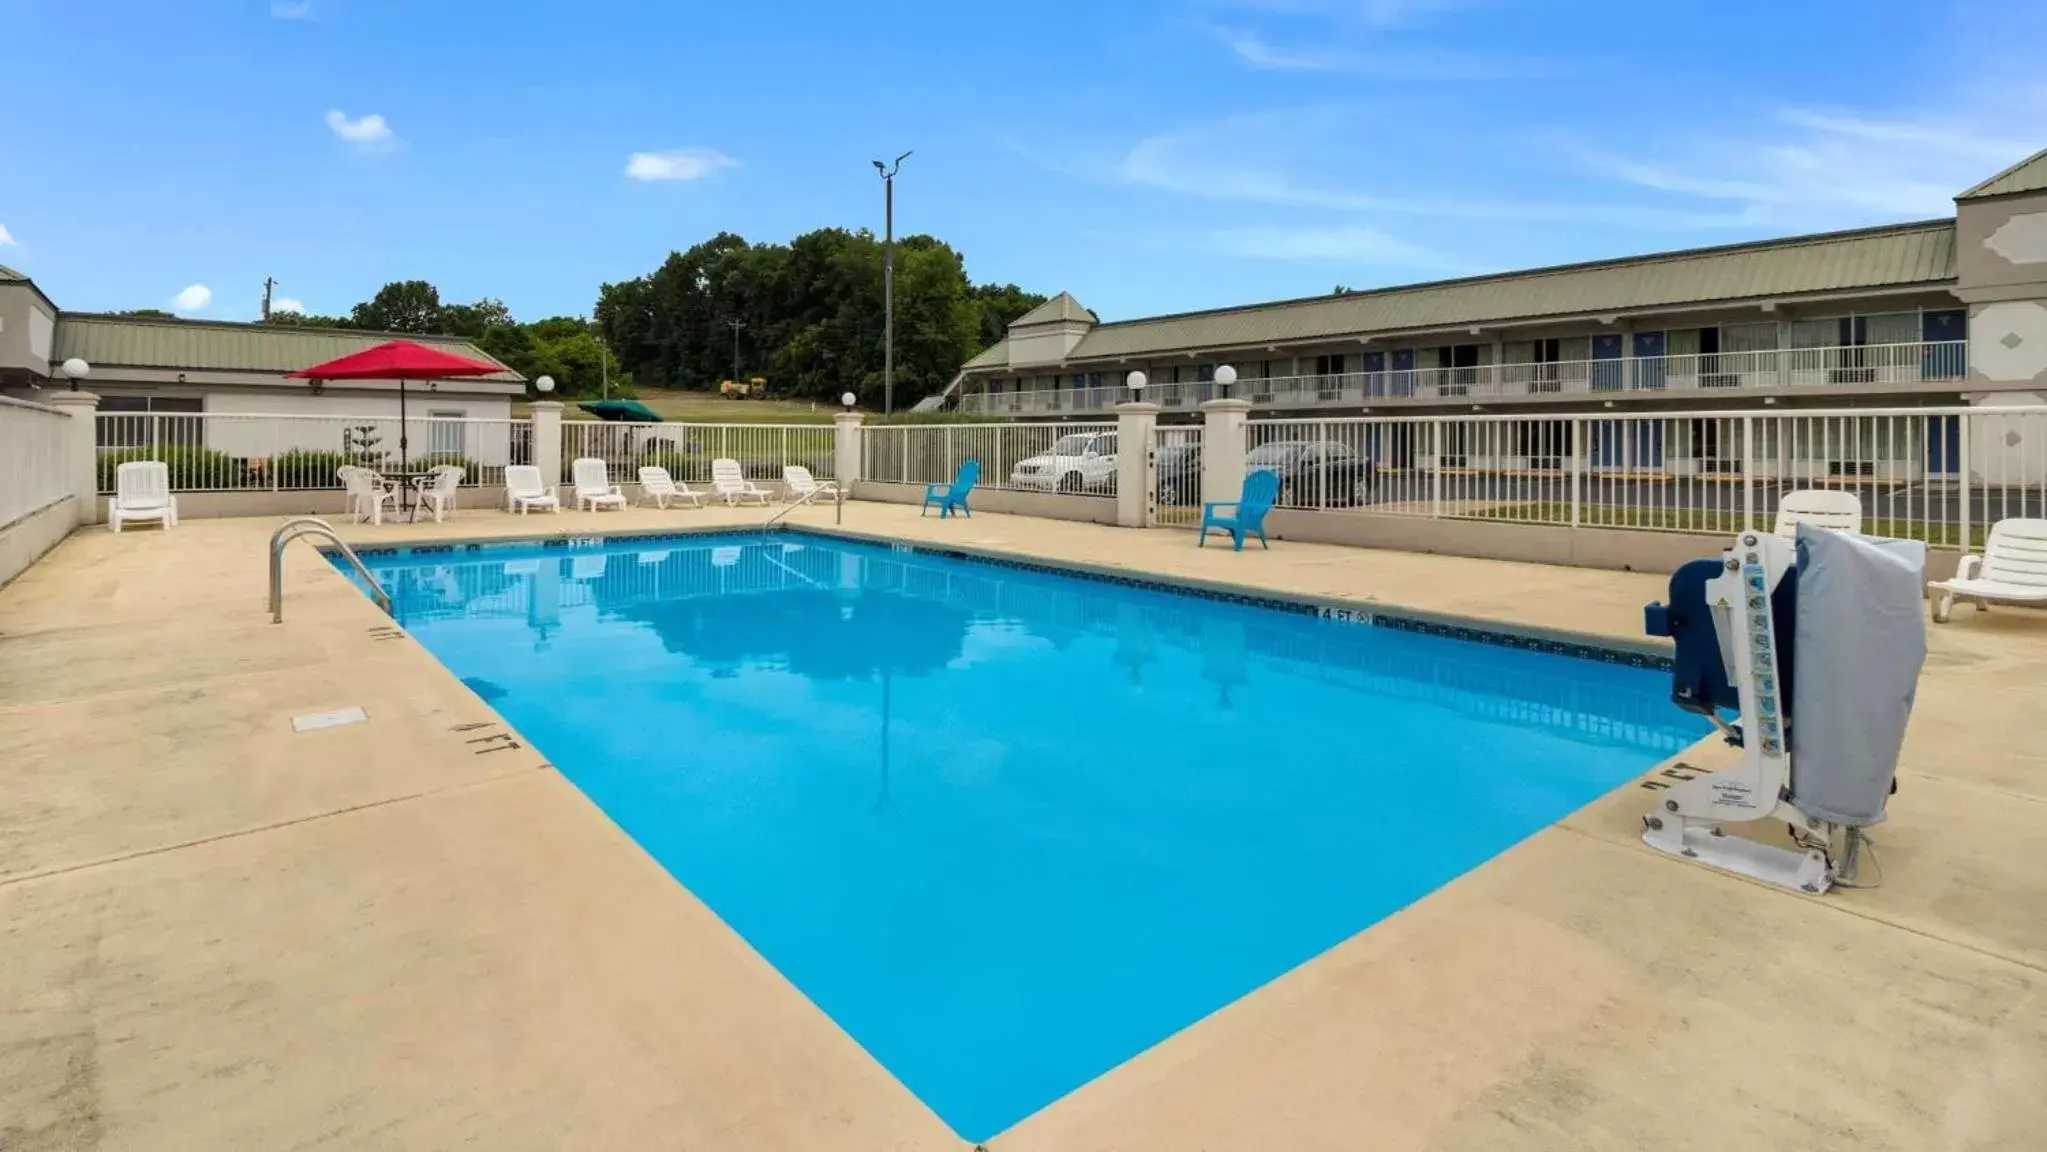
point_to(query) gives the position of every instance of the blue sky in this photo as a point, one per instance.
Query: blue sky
(1148, 156)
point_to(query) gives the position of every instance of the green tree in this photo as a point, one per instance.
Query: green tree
(473, 320)
(999, 305)
(150, 313)
(401, 306)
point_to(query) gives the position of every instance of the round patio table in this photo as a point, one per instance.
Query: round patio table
(408, 485)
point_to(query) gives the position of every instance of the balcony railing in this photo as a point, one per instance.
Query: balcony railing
(1697, 374)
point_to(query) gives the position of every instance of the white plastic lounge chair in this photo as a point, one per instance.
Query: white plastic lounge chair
(525, 491)
(1819, 507)
(142, 491)
(729, 482)
(594, 489)
(438, 491)
(800, 484)
(2013, 568)
(367, 493)
(657, 485)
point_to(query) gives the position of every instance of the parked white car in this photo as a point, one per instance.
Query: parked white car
(1080, 462)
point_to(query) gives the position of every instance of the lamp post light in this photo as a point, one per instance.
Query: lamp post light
(544, 385)
(888, 280)
(849, 400)
(1135, 382)
(1224, 377)
(75, 370)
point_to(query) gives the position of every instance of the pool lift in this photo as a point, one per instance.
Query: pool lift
(1817, 648)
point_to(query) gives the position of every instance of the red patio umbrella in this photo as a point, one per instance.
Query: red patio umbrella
(399, 360)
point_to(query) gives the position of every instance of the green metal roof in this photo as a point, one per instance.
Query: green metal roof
(216, 346)
(2028, 175)
(1893, 256)
(1058, 309)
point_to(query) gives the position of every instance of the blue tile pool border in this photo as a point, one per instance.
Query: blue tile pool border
(1404, 620)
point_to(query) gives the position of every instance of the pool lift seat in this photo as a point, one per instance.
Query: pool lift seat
(1816, 648)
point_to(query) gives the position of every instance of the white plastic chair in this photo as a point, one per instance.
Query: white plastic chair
(142, 491)
(657, 485)
(438, 492)
(525, 490)
(2012, 569)
(1819, 507)
(594, 489)
(728, 481)
(800, 484)
(367, 493)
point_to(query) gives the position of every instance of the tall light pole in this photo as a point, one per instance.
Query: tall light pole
(888, 280)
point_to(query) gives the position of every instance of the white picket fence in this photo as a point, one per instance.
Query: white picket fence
(1936, 474)
(1074, 458)
(687, 450)
(35, 459)
(240, 452)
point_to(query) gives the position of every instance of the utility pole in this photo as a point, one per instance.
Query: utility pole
(604, 367)
(888, 280)
(269, 282)
(736, 326)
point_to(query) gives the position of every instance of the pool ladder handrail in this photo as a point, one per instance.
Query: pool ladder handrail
(838, 500)
(314, 526)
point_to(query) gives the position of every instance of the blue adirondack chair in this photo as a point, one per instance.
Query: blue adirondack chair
(1247, 514)
(954, 495)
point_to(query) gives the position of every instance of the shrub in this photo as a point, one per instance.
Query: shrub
(437, 459)
(191, 468)
(314, 468)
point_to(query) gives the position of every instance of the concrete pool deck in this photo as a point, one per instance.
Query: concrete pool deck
(413, 933)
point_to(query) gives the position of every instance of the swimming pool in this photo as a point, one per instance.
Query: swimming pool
(1007, 827)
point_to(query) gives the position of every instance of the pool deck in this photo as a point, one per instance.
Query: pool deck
(413, 933)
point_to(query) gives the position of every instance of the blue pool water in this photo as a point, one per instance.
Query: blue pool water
(1010, 828)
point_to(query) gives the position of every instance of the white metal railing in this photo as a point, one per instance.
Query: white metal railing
(1176, 475)
(254, 452)
(1941, 475)
(1703, 373)
(35, 459)
(687, 450)
(1075, 458)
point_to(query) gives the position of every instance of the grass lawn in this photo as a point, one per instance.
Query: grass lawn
(1706, 521)
(711, 408)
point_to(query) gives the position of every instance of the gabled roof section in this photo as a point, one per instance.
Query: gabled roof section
(2028, 175)
(1893, 256)
(218, 346)
(995, 356)
(10, 276)
(1059, 309)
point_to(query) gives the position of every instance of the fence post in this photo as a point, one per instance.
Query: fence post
(1136, 483)
(1222, 449)
(951, 465)
(1748, 473)
(1965, 544)
(83, 408)
(846, 450)
(547, 440)
(1577, 481)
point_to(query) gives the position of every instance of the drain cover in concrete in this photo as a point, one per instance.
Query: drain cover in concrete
(314, 721)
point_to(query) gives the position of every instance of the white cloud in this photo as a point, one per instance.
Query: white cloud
(364, 132)
(292, 9)
(678, 164)
(6, 237)
(1407, 64)
(288, 304)
(1344, 243)
(194, 298)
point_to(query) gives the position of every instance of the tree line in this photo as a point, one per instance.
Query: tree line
(806, 316)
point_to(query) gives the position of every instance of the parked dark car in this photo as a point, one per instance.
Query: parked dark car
(1315, 473)
(1179, 473)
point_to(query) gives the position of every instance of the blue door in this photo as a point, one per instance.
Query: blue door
(1375, 374)
(1402, 383)
(1649, 348)
(1944, 332)
(1606, 367)
(1648, 437)
(1944, 446)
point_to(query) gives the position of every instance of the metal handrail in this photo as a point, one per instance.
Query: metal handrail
(807, 497)
(314, 526)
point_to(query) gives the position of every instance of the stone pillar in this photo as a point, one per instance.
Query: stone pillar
(1222, 449)
(83, 408)
(846, 451)
(547, 440)
(1136, 463)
